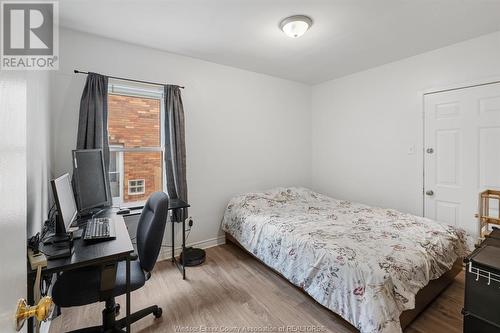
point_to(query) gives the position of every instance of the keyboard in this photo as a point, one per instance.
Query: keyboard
(100, 228)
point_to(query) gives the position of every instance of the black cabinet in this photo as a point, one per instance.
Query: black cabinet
(477, 325)
(482, 287)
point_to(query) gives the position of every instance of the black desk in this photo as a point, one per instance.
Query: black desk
(91, 254)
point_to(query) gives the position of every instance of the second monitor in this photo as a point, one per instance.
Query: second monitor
(90, 180)
(66, 206)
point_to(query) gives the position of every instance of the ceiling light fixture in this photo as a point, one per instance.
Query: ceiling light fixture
(295, 26)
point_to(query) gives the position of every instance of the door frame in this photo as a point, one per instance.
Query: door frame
(441, 89)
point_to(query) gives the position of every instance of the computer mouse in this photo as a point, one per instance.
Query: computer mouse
(123, 211)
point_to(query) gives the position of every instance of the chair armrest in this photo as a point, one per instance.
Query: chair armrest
(133, 256)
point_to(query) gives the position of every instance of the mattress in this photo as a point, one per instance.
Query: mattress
(364, 263)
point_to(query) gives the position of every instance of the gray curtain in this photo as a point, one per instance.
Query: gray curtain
(93, 121)
(175, 147)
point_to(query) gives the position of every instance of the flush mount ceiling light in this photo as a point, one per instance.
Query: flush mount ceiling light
(295, 26)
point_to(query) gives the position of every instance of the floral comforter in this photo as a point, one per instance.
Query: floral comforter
(364, 263)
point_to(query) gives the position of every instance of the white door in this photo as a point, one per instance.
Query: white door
(462, 152)
(13, 103)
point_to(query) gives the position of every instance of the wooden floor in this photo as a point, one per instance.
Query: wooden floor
(234, 290)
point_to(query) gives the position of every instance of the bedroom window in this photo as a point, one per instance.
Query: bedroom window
(135, 117)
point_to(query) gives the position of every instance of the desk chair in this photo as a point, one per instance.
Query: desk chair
(83, 286)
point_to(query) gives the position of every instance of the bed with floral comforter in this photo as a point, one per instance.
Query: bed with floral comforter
(364, 263)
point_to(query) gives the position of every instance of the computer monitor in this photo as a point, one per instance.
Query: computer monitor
(90, 179)
(65, 200)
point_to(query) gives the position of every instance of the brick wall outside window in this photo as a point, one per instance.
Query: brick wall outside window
(135, 122)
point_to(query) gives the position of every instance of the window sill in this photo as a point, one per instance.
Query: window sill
(132, 205)
(133, 213)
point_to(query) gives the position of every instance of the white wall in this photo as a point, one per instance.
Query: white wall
(244, 131)
(364, 124)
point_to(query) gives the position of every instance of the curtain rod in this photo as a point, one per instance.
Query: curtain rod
(126, 79)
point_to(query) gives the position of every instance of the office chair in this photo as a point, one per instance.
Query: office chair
(82, 286)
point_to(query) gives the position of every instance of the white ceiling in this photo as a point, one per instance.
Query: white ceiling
(347, 35)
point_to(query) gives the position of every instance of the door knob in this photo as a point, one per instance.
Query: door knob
(429, 193)
(41, 311)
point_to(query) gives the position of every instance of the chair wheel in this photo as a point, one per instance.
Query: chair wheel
(158, 312)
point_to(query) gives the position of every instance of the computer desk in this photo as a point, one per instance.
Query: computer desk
(106, 254)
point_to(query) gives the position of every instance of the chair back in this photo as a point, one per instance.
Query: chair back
(151, 228)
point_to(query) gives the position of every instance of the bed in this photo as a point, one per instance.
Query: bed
(377, 268)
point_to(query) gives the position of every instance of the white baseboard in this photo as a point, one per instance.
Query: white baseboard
(166, 252)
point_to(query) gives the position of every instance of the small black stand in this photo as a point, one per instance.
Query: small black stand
(177, 206)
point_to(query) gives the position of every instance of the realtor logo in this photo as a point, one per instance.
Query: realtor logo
(29, 36)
